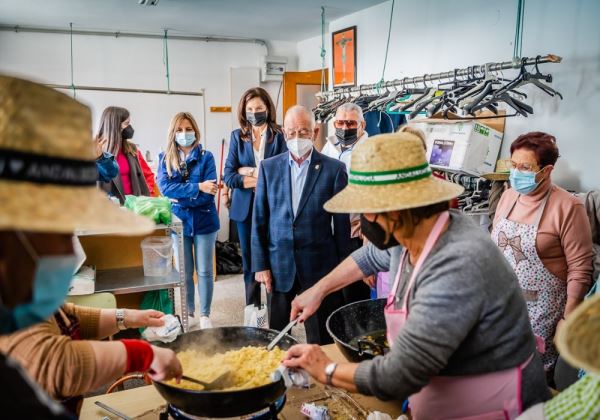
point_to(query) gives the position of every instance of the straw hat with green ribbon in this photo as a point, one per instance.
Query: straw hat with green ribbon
(502, 172)
(47, 165)
(578, 338)
(390, 172)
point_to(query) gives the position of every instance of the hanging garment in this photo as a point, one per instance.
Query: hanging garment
(545, 294)
(490, 396)
(380, 123)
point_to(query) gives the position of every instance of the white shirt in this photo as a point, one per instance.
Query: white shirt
(335, 152)
(259, 154)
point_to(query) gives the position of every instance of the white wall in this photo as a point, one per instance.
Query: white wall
(138, 63)
(430, 36)
(309, 51)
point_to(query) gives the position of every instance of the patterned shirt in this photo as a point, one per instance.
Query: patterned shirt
(580, 401)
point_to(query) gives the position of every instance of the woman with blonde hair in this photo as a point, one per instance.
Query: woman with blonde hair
(187, 175)
(135, 176)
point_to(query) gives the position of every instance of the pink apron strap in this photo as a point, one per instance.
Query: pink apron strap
(429, 244)
(394, 288)
(542, 208)
(512, 206)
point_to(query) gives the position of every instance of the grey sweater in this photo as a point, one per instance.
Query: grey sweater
(466, 316)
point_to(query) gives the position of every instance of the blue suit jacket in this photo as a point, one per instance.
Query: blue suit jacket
(241, 154)
(311, 244)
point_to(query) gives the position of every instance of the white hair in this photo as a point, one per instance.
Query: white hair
(350, 107)
(299, 109)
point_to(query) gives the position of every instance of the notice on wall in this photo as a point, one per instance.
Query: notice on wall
(441, 152)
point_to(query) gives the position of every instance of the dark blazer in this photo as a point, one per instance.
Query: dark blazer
(311, 244)
(139, 186)
(241, 154)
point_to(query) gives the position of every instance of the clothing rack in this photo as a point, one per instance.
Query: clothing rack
(471, 70)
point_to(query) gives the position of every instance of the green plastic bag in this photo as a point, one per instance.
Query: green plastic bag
(156, 208)
(159, 300)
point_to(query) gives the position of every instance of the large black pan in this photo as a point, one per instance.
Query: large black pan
(355, 320)
(224, 403)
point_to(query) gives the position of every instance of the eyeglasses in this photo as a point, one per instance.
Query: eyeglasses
(525, 166)
(303, 134)
(345, 123)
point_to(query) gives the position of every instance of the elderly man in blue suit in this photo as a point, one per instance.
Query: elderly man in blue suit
(295, 242)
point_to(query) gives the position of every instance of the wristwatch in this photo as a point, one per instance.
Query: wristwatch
(329, 370)
(120, 315)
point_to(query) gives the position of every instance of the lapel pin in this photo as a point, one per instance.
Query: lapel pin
(317, 166)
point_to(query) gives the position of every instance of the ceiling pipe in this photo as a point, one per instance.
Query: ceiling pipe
(118, 34)
(126, 90)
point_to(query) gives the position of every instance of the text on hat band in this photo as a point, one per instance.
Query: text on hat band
(29, 167)
(390, 177)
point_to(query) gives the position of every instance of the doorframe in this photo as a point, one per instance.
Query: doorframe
(292, 79)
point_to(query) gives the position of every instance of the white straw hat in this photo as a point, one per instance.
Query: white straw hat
(390, 172)
(47, 165)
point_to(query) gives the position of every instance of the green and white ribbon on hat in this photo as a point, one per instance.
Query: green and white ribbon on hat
(397, 176)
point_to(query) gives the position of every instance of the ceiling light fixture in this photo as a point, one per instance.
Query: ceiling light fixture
(148, 2)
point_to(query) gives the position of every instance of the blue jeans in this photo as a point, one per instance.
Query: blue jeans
(202, 247)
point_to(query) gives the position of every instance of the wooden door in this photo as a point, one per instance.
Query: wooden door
(299, 88)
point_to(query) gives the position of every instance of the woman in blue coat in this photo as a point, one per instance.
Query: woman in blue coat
(259, 137)
(187, 175)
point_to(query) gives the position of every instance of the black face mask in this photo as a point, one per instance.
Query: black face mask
(376, 234)
(347, 136)
(127, 132)
(257, 118)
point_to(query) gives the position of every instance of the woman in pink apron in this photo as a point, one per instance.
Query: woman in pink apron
(461, 344)
(544, 234)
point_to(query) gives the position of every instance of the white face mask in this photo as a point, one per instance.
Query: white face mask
(299, 147)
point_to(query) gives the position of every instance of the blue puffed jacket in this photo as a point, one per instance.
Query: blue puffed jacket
(196, 209)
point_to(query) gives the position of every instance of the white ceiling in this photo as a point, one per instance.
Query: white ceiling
(281, 20)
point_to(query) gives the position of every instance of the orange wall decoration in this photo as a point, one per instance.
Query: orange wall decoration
(344, 57)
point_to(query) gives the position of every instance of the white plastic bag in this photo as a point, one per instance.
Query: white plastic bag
(256, 316)
(378, 415)
(166, 333)
(292, 377)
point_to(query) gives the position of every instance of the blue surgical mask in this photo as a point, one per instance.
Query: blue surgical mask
(523, 182)
(185, 139)
(53, 275)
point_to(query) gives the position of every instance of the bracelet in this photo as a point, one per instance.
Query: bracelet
(139, 355)
(120, 315)
(329, 371)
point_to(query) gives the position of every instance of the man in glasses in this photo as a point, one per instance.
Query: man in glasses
(295, 241)
(349, 125)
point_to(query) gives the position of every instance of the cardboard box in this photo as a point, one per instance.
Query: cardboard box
(469, 146)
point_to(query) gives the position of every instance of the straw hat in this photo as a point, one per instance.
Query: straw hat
(578, 339)
(502, 172)
(47, 165)
(390, 172)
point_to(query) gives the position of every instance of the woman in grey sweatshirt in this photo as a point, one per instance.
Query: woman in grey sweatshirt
(467, 317)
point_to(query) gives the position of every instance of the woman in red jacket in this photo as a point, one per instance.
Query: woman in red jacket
(135, 176)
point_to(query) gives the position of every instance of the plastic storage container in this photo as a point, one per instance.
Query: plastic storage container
(157, 252)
